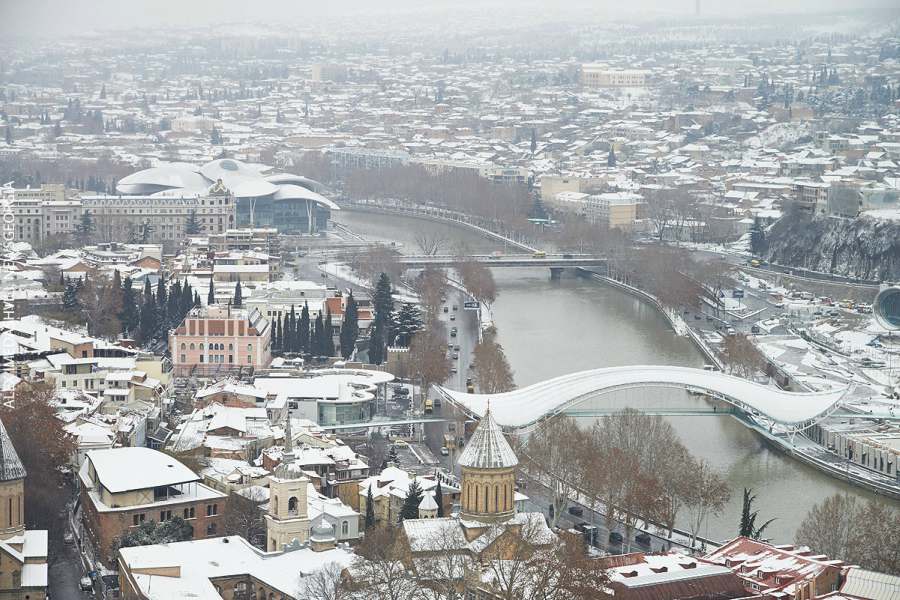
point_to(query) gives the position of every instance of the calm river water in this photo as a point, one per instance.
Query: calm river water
(549, 328)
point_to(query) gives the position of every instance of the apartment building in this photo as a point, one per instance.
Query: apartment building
(122, 488)
(603, 76)
(218, 339)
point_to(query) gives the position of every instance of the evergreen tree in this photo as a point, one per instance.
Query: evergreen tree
(410, 508)
(611, 158)
(192, 225)
(70, 298)
(439, 499)
(318, 341)
(349, 328)
(129, 315)
(57, 129)
(328, 331)
(383, 304)
(187, 300)
(302, 339)
(757, 239)
(748, 526)
(9, 135)
(407, 322)
(370, 508)
(85, 228)
(533, 141)
(238, 295)
(376, 343)
(149, 325)
(103, 92)
(277, 338)
(196, 298)
(148, 291)
(211, 294)
(215, 137)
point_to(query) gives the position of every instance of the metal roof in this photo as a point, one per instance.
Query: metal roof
(11, 467)
(488, 448)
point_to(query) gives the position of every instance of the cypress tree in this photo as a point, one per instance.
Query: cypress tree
(318, 343)
(149, 324)
(376, 343)
(290, 334)
(328, 334)
(211, 294)
(349, 328)
(611, 158)
(238, 295)
(196, 298)
(410, 508)
(70, 298)
(370, 508)
(277, 339)
(129, 315)
(439, 499)
(303, 329)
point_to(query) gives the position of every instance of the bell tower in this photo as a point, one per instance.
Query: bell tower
(287, 519)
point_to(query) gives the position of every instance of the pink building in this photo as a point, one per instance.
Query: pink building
(219, 339)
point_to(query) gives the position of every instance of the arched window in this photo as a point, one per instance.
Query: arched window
(249, 347)
(275, 504)
(231, 346)
(292, 505)
(183, 346)
(192, 346)
(476, 498)
(345, 528)
(201, 346)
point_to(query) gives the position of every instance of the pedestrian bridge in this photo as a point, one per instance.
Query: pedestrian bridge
(524, 409)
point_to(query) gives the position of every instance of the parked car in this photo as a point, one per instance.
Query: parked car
(643, 538)
(576, 510)
(455, 307)
(85, 584)
(401, 443)
(446, 309)
(456, 356)
(444, 451)
(615, 538)
(755, 329)
(452, 317)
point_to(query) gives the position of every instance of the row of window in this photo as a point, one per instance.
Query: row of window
(217, 346)
(188, 513)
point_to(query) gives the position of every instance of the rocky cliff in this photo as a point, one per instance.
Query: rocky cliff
(865, 248)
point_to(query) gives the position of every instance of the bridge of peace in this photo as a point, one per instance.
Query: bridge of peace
(555, 262)
(524, 409)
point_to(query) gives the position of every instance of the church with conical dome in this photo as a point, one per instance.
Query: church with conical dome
(487, 502)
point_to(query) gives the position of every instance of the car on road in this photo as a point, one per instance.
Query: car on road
(576, 510)
(643, 538)
(452, 317)
(401, 444)
(69, 538)
(453, 332)
(85, 584)
(444, 451)
(446, 309)
(456, 348)
(455, 307)
(454, 371)
(615, 538)
(456, 356)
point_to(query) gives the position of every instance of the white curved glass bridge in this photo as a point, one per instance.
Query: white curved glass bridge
(524, 409)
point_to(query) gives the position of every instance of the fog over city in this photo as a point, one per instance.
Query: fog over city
(450, 300)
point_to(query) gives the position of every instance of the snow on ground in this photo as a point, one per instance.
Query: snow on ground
(779, 135)
(885, 214)
(343, 271)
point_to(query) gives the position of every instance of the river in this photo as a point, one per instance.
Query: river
(550, 328)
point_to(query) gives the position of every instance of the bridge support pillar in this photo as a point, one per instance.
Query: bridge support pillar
(555, 273)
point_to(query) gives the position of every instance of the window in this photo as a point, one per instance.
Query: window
(189, 513)
(165, 515)
(192, 346)
(345, 527)
(249, 347)
(137, 519)
(249, 359)
(183, 358)
(212, 510)
(211, 530)
(183, 345)
(231, 346)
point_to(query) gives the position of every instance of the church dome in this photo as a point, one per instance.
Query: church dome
(321, 532)
(488, 448)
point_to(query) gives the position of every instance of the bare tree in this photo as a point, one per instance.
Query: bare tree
(492, 371)
(430, 244)
(243, 517)
(428, 356)
(551, 455)
(101, 303)
(478, 281)
(379, 572)
(742, 356)
(324, 584)
(442, 571)
(708, 495)
(660, 211)
(431, 285)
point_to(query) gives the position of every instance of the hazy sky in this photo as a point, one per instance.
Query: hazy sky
(54, 17)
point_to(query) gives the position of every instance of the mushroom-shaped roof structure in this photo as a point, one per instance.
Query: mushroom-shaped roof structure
(155, 179)
(249, 187)
(289, 191)
(281, 178)
(226, 168)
